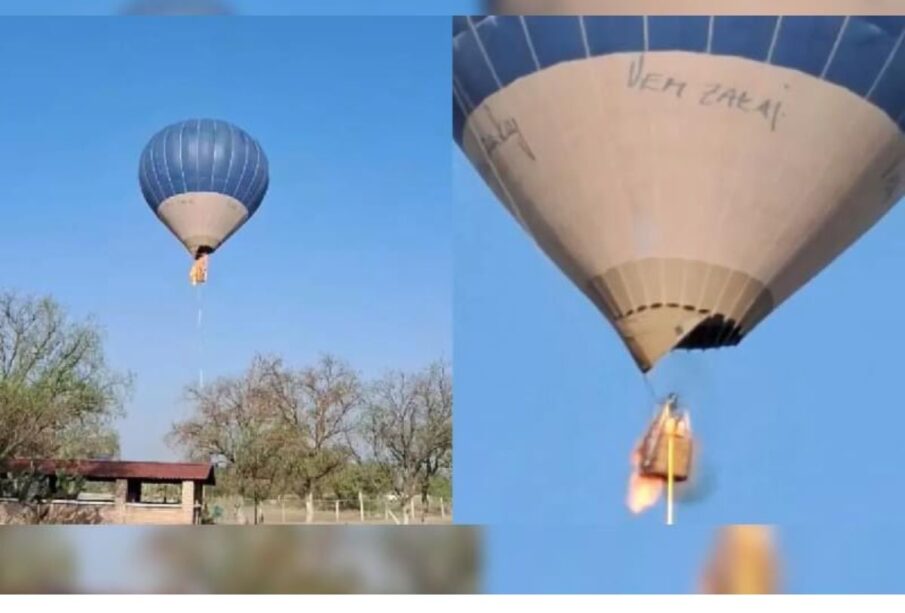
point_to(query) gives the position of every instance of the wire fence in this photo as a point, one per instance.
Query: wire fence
(360, 510)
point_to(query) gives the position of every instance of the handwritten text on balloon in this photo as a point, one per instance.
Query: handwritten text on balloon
(718, 95)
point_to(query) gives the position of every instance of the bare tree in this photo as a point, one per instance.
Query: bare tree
(279, 431)
(317, 406)
(235, 423)
(434, 393)
(409, 425)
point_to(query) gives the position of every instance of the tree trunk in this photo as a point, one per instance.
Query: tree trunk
(425, 499)
(406, 519)
(309, 506)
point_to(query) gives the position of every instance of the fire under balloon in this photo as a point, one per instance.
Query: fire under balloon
(662, 459)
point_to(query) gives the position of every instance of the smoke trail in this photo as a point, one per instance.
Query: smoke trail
(199, 301)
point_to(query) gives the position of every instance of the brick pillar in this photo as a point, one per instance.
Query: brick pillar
(119, 500)
(199, 500)
(188, 502)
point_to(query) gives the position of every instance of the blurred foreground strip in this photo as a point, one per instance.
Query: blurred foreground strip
(457, 604)
(690, 7)
(267, 560)
(176, 7)
(36, 562)
(744, 561)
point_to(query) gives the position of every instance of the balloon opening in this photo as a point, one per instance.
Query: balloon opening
(715, 331)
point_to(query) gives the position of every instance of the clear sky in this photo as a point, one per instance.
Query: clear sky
(350, 252)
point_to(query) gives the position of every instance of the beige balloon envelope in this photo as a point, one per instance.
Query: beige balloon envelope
(686, 194)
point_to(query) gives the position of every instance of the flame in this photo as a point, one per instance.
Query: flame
(643, 492)
(198, 273)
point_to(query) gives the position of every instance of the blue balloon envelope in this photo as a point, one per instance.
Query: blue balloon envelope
(204, 179)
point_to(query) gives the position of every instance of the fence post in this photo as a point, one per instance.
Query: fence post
(412, 510)
(336, 510)
(442, 509)
(282, 509)
(386, 510)
(361, 506)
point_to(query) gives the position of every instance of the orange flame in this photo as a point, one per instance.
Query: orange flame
(643, 492)
(198, 273)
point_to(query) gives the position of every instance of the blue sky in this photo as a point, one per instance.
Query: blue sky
(350, 252)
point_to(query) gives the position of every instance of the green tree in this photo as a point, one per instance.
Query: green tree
(58, 396)
(58, 399)
(370, 478)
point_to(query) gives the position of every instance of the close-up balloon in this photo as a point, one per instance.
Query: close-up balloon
(688, 173)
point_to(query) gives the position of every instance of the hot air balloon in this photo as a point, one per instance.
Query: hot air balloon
(687, 173)
(204, 179)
